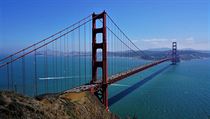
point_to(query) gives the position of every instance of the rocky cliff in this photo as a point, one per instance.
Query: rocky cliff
(81, 105)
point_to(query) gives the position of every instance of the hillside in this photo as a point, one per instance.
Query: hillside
(81, 105)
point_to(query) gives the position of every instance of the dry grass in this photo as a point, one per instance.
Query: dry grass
(75, 97)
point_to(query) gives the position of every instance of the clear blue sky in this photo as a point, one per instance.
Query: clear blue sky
(149, 23)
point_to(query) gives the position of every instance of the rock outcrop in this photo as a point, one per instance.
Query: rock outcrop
(81, 105)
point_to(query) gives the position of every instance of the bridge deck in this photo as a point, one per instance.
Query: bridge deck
(116, 77)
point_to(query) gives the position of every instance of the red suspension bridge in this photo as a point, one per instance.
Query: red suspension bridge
(88, 55)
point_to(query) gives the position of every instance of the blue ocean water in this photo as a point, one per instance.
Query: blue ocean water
(56, 73)
(181, 91)
(165, 91)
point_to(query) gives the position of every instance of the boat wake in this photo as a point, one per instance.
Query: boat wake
(120, 85)
(67, 77)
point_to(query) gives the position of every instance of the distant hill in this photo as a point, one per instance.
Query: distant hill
(193, 54)
(159, 49)
(162, 53)
(149, 54)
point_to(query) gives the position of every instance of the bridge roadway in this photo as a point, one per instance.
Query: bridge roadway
(117, 77)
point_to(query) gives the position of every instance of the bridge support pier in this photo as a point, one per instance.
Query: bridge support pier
(101, 93)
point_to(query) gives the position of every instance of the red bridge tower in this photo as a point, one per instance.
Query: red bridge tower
(101, 93)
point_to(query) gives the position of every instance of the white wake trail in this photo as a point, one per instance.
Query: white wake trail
(121, 85)
(51, 78)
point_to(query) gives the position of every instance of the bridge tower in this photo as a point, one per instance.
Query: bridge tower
(174, 53)
(101, 93)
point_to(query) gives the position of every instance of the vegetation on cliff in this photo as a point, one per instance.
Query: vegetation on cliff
(81, 105)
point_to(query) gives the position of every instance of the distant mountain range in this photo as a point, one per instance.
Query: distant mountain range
(158, 49)
(149, 54)
(166, 49)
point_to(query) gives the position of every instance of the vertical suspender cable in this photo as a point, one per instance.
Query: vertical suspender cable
(11, 74)
(73, 60)
(112, 52)
(79, 58)
(68, 67)
(23, 72)
(8, 82)
(46, 68)
(114, 58)
(69, 60)
(53, 66)
(60, 65)
(56, 64)
(85, 51)
(64, 60)
(90, 49)
(121, 50)
(35, 73)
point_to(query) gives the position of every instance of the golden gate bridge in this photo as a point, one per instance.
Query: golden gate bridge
(85, 56)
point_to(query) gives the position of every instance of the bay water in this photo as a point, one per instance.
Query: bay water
(165, 91)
